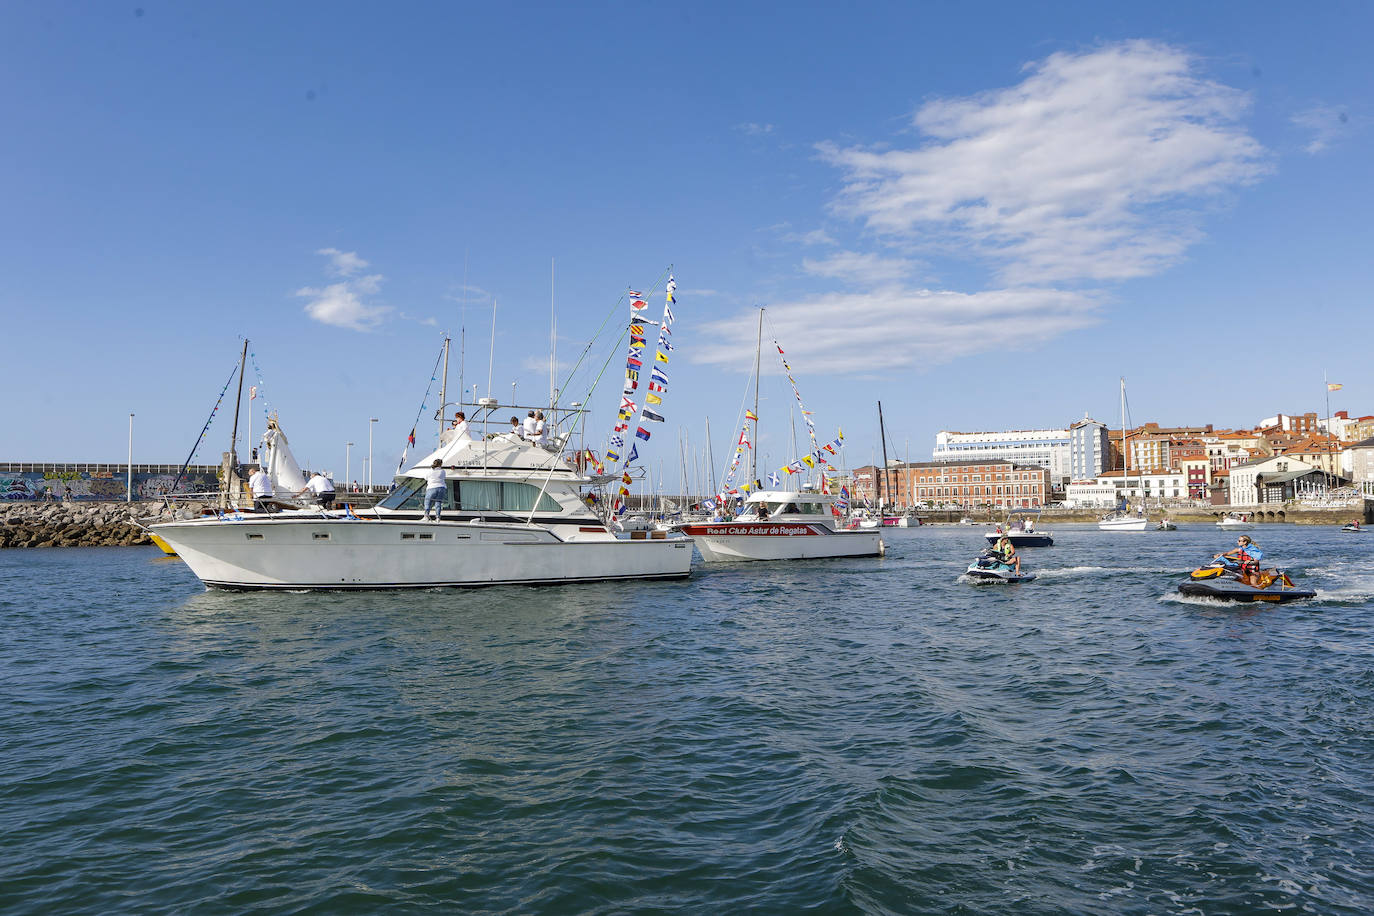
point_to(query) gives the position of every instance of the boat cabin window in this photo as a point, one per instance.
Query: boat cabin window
(502, 496)
(812, 509)
(409, 494)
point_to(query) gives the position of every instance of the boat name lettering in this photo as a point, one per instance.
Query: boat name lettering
(788, 530)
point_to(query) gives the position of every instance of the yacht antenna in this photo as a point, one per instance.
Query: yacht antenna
(754, 452)
(491, 358)
(443, 388)
(553, 333)
(463, 331)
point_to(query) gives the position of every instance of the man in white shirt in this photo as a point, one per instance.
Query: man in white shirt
(322, 488)
(531, 427)
(261, 486)
(539, 431)
(434, 490)
(515, 429)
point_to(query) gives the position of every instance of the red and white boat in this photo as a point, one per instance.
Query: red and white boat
(782, 525)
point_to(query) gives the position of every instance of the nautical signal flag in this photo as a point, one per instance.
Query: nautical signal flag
(775, 480)
(637, 302)
(634, 454)
(750, 415)
(253, 392)
(651, 415)
(642, 433)
(661, 356)
(652, 399)
(410, 440)
(1334, 386)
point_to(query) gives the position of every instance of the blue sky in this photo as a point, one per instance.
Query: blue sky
(981, 214)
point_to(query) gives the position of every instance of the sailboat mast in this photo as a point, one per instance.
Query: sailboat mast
(882, 433)
(710, 456)
(234, 436)
(1125, 453)
(758, 357)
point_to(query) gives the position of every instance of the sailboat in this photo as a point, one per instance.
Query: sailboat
(1121, 520)
(781, 524)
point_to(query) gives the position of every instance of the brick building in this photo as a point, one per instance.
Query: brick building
(1002, 484)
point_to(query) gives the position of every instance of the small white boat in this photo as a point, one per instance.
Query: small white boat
(966, 520)
(1166, 525)
(1121, 521)
(782, 525)
(1019, 527)
(1237, 522)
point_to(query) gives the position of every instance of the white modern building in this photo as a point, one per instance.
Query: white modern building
(1046, 448)
(1088, 449)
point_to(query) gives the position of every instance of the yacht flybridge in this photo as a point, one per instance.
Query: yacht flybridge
(512, 513)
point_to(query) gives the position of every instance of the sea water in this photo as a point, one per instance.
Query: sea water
(869, 735)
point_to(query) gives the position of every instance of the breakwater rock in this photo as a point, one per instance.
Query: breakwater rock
(81, 524)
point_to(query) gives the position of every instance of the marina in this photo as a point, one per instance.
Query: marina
(751, 738)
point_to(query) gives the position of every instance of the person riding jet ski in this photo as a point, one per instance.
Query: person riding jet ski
(1247, 554)
(1005, 551)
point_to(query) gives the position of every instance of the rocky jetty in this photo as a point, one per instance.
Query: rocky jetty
(103, 524)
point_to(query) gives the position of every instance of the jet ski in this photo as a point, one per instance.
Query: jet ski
(1221, 579)
(1353, 526)
(988, 568)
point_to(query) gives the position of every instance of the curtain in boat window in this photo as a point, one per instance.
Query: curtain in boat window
(519, 497)
(481, 495)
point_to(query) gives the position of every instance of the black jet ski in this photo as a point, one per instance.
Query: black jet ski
(989, 568)
(1221, 579)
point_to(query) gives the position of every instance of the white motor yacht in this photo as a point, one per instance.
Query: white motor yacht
(512, 513)
(783, 525)
(1122, 521)
(1237, 522)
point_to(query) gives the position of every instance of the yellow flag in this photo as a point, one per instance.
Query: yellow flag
(661, 356)
(652, 399)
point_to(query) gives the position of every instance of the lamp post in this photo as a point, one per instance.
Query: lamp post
(370, 427)
(348, 454)
(129, 484)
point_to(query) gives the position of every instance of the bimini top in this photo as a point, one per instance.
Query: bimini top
(503, 451)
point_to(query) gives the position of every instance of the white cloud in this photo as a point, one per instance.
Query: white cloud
(755, 130)
(343, 263)
(1085, 170)
(895, 327)
(343, 304)
(856, 267)
(1326, 123)
(1094, 168)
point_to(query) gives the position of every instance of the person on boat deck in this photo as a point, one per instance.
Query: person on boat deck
(322, 488)
(1248, 555)
(261, 486)
(434, 490)
(531, 426)
(459, 429)
(515, 429)
(540, 434)
(1006, 552)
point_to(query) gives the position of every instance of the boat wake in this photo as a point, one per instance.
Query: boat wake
(1073, 572)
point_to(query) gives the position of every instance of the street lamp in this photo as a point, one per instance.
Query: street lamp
(129, 485)
(348, 453)
(370, 427)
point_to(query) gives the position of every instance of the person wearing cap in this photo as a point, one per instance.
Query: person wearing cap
(322, 488)
(1006, 552)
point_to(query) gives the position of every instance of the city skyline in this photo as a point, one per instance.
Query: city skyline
(981, 221)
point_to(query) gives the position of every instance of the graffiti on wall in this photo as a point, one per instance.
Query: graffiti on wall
(100, 485)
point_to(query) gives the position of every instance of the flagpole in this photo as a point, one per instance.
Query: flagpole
(754, 452)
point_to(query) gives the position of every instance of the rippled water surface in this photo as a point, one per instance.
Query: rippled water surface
(834, 736)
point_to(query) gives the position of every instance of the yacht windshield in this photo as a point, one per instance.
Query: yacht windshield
(407, 494)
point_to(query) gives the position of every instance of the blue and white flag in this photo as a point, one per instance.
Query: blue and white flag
(774, 480)
(652, 416)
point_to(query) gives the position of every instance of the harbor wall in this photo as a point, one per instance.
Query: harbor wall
(100, 482)
(36, 524)
(1271, 514)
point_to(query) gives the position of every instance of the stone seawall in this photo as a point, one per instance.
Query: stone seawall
(1291, 514)
(108, 524)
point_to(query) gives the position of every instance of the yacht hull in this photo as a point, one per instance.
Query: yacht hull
(337, 553)
(1122, 524)
(736, 541)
